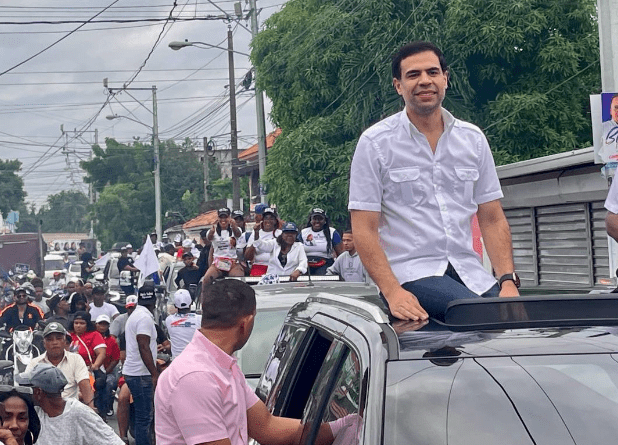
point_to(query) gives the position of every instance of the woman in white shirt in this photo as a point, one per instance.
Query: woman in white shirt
(286, 256)
(322, 243)
(268, 229)
(223, 238)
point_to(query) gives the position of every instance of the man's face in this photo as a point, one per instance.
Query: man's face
(21, 297)
(153, 238)
(64, 305)
(38, 293)
(98, 298)
(423, 83)
(54, 344)
(249, 323)
(188, 261)
(71, 287)
(613, 109)
(348, 242)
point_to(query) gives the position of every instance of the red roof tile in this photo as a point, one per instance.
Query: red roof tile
(205, 219)
(251, 152)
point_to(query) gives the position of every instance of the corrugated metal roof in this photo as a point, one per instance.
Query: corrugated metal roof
(547, 163)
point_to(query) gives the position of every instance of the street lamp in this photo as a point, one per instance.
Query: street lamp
(234, 131)
(155, 144)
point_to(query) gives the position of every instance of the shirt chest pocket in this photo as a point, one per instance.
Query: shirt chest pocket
(406, 185)
(467, 177)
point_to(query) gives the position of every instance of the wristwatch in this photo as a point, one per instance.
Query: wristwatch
(509, 276)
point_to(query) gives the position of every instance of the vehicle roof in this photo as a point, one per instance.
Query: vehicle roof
(537, 325)
(52, 256)
(273, 294)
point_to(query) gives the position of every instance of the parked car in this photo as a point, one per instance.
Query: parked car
(528, 370)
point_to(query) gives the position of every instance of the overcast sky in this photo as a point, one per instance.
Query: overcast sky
(63, 86)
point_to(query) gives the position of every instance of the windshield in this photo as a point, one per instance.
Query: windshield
(54, 265)
(113, 269)
(502, 401)
(253, 356)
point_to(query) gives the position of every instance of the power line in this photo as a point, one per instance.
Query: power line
(60, 39)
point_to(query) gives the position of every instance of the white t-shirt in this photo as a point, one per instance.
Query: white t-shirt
(315, 242)
(77, 425)
(222, 247)
(107, 308)
(349, 267)
(262, 257)
(426, 200)
(142, 322)
(181, 328)
(42, 305)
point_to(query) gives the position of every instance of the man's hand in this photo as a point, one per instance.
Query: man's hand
(509, 289)
(405, 306)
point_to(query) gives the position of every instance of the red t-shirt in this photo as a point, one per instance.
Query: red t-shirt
(113, 351)
(91, 340)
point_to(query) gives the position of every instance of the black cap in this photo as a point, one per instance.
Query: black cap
(98, 290)
(238, 214)
(146, 294)
(269, 210)
(223, 211)
(318, 211)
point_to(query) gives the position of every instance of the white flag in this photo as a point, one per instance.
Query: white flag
(101, 262)
(147, 262)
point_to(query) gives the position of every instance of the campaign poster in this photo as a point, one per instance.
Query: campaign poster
(606, 129)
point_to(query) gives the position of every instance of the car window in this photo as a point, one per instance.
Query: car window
(253, 356)
(279, 362)
(335, 397)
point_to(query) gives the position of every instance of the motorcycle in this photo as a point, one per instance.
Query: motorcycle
(19, 349)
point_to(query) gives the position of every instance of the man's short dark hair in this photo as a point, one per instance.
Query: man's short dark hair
(225, 302)
(203, 233)
(412, 48)
(36, 282)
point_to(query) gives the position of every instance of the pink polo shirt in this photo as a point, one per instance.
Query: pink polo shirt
(202, 397)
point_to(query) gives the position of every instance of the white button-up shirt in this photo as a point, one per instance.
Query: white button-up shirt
(427, 200)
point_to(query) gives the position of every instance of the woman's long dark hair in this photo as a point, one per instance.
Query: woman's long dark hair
(229, 229)
(74, 299)
(34, 424)
(326, 230)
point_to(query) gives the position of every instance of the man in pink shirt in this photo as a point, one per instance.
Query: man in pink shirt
(202, 398)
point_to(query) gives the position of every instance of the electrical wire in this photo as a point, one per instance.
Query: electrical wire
(60, 39)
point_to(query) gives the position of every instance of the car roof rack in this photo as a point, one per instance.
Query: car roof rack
(362, 307)
(532, 312)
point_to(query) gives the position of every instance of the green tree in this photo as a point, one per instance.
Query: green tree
(123, 176)
(521, 70)
(66, 211)
(12, 192)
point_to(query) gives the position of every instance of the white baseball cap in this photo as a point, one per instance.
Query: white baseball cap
(103, 317)
(187, 243)
(182, 299)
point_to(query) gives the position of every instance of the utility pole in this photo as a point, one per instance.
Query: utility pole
(259, 107)
(90, 188)
(608, 42)
(157, 172)
(233, 127)
(206, 170)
